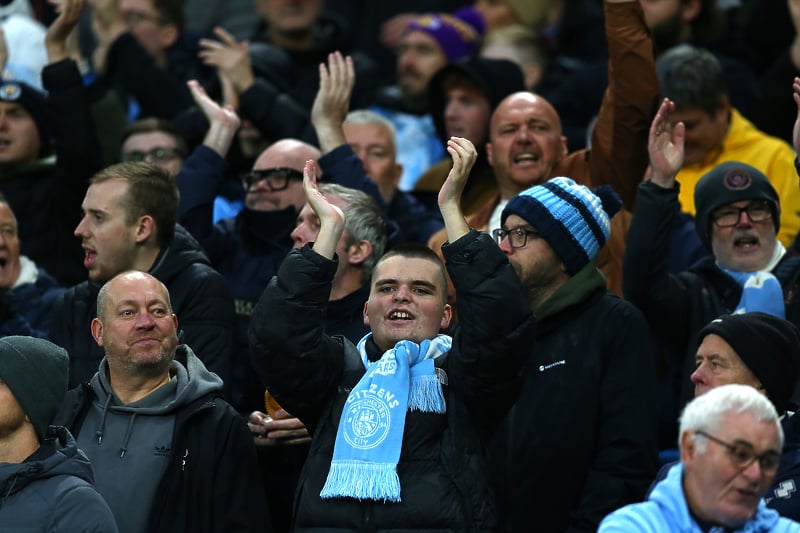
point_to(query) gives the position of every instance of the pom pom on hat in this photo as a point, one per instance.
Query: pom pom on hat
(573, 220)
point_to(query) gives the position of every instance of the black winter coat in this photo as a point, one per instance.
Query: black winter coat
(200, 298)
(442, 467)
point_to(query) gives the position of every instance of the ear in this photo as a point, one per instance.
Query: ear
(359, 252)
(366, 316)
(168, 35)
(145, 228)
(97, 331)
(447, 316)
(398, 173)
(489, 154)
(688, 449)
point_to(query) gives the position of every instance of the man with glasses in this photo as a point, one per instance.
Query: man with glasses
(585, 419)
(730, 442)
(738, 219)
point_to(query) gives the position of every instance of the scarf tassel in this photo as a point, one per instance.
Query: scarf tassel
(426, 394)
(362, 481)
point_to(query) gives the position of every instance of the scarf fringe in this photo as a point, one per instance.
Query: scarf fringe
(363, 481)
(426, 394)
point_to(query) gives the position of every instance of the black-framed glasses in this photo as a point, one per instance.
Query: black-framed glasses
(517, 237)
(156, 155)
(743, 455)
(277, 178)
(728, 216)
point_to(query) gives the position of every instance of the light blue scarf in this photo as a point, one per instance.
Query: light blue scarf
(761, 291)
(370, 433)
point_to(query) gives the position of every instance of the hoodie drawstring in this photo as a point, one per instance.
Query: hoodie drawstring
(127, 438)
(99, 432)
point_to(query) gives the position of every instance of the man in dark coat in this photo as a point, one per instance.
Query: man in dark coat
(129, 224)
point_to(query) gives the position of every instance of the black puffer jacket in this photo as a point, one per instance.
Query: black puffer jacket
(200, 298)
(442, 468)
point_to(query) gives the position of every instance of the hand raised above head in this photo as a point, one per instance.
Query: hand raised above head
(331, 217)
(665, 146)
(230, 57)
(463, 153)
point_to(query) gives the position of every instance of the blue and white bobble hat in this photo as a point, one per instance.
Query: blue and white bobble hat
(574, 220)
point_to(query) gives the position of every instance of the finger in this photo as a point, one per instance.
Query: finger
(224, 36)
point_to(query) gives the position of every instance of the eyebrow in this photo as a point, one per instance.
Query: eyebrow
(416, 282)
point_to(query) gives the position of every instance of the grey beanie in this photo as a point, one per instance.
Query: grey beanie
(36, 372)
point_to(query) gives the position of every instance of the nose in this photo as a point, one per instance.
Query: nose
(744, 219)
(698, 377)
(753, 471)
(402, 294)
(299, 236)
(505, 246)
(79, 229)
(144, 320)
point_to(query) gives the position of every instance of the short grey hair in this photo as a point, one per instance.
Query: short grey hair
(102, 294)
(705, 413)
(363, 220)
(365, 116)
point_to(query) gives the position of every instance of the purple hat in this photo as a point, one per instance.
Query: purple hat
(459, 34)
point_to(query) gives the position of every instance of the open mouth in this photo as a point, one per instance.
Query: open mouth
(745, 242)
(401, 316)
(526, 158)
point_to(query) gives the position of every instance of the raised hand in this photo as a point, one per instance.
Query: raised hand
(464, 155)
(665, 146)
(329, 110)
(223, 120)
(331, 217)
(230, 57)
(55, 40)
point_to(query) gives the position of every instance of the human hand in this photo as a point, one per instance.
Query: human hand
(3, 51)
(336, 81)
(463, 153)
(223, 122)
(68, 14)
(331, 217)
(107, 21)
(230, 57)
(281, 430)
(665, 146)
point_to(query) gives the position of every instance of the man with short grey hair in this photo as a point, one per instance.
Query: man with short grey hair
(730, 442)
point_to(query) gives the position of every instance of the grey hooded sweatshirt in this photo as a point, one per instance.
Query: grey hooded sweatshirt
(130, 445)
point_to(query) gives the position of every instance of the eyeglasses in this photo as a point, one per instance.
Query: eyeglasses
(743, 455)
(156, 155)
(517, 237)
(726, 217)
(277, 178)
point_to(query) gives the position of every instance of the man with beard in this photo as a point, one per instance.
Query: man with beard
(716, 132)
(738, 219)
(154, 425)
(429, 42)
(128, 223)
(589, 385)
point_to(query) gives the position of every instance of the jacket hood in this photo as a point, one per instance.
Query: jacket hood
(496, 78)
(58, 456)
(190, 380)
(182, 251)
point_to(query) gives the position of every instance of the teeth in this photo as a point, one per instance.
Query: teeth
(400, 315)
(526, 157)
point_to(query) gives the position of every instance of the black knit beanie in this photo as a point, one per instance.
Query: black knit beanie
(768, 345)
(36, 372)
